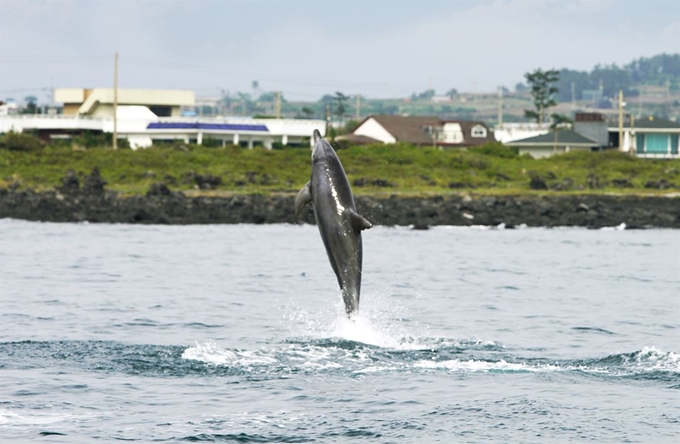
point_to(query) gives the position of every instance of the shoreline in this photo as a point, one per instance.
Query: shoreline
(161, 206)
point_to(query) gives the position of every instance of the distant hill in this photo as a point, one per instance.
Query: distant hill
(607, 80)
(651, 85)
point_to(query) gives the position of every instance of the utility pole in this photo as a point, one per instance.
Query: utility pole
(115, 101)
(358, 111)
(328, 119)
(640, 103)
(277, 105)
(500, 107)
(621, 104)
(631, 151)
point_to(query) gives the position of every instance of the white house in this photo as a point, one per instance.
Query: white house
(561, 141)
(421, 130)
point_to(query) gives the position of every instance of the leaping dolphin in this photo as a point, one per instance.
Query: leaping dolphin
(336, 216)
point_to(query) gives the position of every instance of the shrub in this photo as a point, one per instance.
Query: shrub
(20, 142)
(496, 150)
(211, 142)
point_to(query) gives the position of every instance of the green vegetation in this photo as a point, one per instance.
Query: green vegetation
(20, 142)
(378, 169)
(543, 90)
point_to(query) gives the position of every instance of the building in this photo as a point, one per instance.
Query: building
(648, 137)
(593, 126)
(509, 132)
(556, 142)
(98, 102)
(421, 131)
(145, 117)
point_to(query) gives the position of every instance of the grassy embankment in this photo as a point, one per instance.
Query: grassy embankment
(396, 169)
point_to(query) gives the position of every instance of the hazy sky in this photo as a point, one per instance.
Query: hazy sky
(308, 48)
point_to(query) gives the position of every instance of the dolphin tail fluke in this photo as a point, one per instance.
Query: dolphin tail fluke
(351, 303)
(359, 222)
(303, 198)
(316, 136)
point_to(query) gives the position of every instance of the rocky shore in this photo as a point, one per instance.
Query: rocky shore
(93, 203)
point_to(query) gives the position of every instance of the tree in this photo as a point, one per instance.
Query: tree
(425, 95)
(340, 107)
(559, 120)
(543, 90)
(307, 111)
(267, 97)
(245, 101)
(31, 105)
(452, 93)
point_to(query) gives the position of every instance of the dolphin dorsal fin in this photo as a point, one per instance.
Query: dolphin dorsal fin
(359, 222)
(303, 198)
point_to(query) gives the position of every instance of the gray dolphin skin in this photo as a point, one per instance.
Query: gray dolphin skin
(336, 216)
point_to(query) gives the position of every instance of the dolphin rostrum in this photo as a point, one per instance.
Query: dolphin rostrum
(339, 223)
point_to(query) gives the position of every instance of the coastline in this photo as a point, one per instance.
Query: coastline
(161, 206)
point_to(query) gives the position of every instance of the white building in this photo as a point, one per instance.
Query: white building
(421, 130)
(145, 116)
(509, 132)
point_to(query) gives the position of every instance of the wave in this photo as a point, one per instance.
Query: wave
(327, 356)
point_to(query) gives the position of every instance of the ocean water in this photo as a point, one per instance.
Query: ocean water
(236, 333)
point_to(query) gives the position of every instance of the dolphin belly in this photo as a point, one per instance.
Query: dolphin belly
(339, 224)
(344, 250)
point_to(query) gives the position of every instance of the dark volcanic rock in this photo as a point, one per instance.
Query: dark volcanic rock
(622, 183)
(380, 183)
(162, 206)
(537, 183)
(207, 181)
(94, 182)
(661, 184)
(70, 181)
(158, 189)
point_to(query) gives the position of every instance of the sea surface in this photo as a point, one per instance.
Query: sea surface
(237, 333)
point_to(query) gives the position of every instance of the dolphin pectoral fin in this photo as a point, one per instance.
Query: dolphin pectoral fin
(303, 198)
(359, 222)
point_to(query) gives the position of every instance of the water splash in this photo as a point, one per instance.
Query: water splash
(381, 322)
(211, 353)
(653, 359)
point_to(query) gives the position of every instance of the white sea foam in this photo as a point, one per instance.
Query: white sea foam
(212, 353)
(620, 227)
(10, 418)
(472, 365)
(653, 359)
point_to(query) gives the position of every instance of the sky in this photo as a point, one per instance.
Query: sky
(376, 48)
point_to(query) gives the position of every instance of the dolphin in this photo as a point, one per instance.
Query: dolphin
(336, 216)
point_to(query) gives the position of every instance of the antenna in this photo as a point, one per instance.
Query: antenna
(115, 101)
(358, 110)
(500, 107)
(277, 105)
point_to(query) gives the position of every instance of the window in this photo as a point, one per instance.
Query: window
(478, 131)
(657, 143)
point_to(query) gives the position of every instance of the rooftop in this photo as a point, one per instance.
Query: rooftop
(564, 137)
